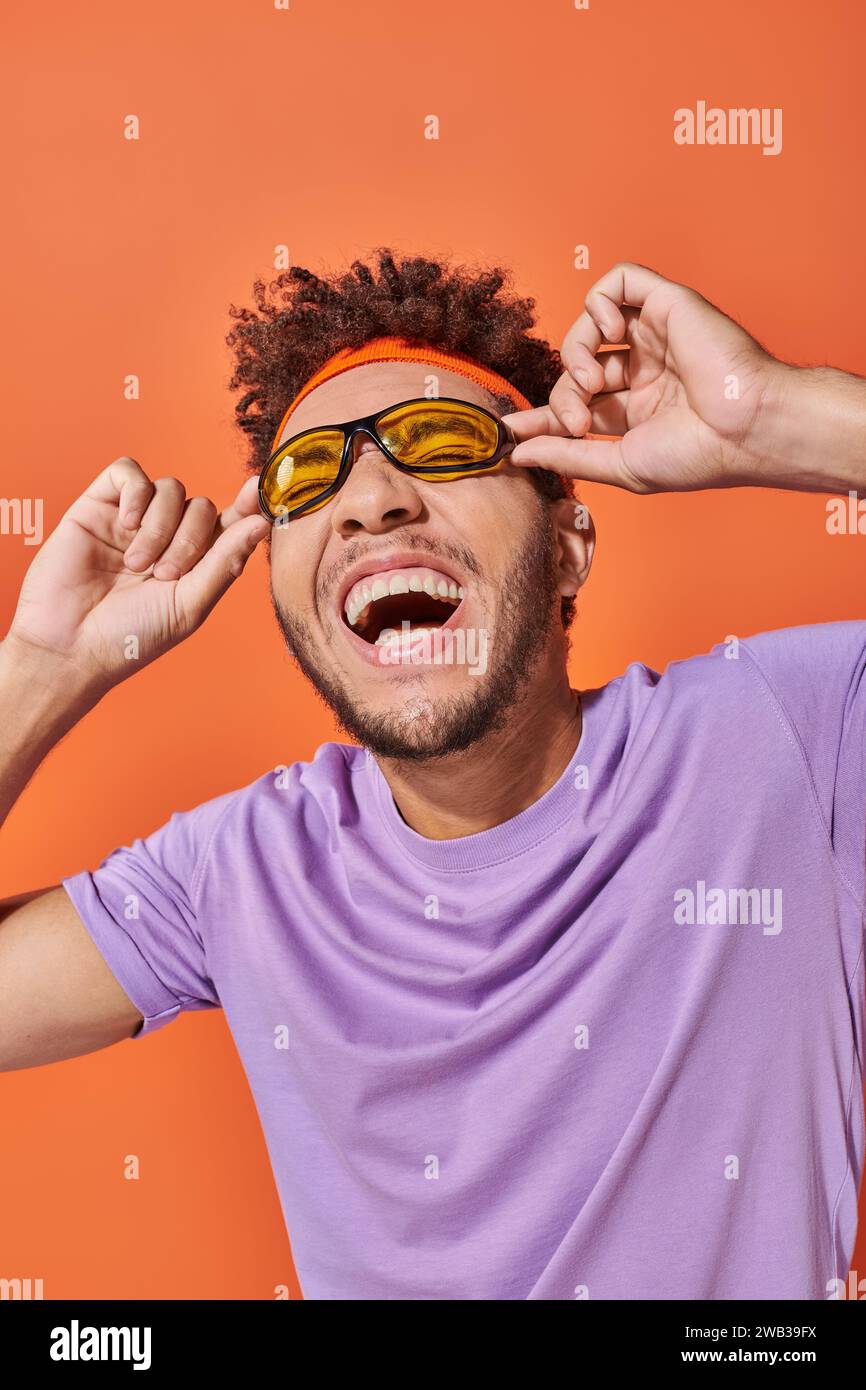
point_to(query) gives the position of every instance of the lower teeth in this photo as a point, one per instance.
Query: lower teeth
(391, 634)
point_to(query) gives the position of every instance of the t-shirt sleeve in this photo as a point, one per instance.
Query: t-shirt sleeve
(816, 676)
(140, 909)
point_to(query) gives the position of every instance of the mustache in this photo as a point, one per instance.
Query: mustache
(356, 552)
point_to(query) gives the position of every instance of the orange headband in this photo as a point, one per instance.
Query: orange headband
(404, 350)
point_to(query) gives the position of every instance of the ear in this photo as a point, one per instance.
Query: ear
(575, 536)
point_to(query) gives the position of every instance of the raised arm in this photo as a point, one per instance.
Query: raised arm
(132, 560)
(691, 401)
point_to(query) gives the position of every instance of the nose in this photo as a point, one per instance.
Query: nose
(376, 496)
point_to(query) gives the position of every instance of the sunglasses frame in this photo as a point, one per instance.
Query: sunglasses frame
(367, 424)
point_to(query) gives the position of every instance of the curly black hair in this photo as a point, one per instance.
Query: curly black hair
(302, 319)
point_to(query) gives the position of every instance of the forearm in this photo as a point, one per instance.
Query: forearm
(41, 699)
(812, 431)
(58, 996)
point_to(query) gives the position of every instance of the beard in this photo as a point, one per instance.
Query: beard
(424, 726)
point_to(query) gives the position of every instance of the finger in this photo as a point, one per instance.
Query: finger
(526, 455)
(219, 567)
(525, 424)
(158, 524)
(567, 412)
(626, 283)
(590, 361)
(584, 367)
(245, 504)
(568, 402)
(614, 374)
(617, 372)
(572, 403)
(125, 484)
(584, 345)
(190, 541)
(583, 333)
(597, 461)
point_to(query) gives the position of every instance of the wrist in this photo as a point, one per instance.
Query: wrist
(810, 431)
(42, 694)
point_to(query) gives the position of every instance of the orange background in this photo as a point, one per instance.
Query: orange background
(305, 127)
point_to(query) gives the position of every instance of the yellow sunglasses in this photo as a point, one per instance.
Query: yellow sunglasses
(435, 440)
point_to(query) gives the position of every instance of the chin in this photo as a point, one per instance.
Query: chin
(426, 723)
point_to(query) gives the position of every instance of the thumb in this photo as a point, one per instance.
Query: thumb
(204, 585)
(594, 458)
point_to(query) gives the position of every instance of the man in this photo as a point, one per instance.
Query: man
(542, 994)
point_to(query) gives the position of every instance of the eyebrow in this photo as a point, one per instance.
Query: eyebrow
(419, 430)
(416, 433)
(319, 453)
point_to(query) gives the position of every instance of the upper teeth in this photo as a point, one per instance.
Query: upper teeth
(399, 581)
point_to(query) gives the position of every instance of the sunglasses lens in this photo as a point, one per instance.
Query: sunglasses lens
(303, 470)
(442, 437)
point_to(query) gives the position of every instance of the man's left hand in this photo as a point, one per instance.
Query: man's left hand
(691, 403)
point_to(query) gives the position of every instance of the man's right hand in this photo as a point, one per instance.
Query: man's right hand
(131, 559)
(131, 562)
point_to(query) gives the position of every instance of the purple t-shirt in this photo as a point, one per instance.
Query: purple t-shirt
(608, 1049)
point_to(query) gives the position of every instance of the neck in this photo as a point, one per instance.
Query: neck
(499, 777)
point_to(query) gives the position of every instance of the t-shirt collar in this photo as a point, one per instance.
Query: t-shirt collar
(563, 800)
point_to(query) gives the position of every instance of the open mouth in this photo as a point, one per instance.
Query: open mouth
(422, 597)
